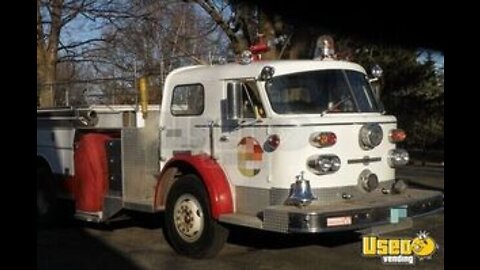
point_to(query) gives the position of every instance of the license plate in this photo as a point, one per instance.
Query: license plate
(339, 221)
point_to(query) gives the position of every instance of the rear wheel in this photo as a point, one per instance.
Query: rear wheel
(189, 226)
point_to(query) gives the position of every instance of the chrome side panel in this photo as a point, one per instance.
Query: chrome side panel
(140, 150)
(367, 212)
(364, 213)
(251, 200)
(276, 221)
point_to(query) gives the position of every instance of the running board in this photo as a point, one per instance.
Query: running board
(96, 217)
(111, 207)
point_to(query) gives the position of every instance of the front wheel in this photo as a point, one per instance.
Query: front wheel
(189, 226)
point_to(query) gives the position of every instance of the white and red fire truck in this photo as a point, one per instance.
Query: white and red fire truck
(299, 146)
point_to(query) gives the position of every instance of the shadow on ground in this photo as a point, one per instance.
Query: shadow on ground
(243, 236)
(67, 245)
(422, 186)
(64, 243)
(256, 239)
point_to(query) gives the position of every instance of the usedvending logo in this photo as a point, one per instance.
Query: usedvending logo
(400, 250)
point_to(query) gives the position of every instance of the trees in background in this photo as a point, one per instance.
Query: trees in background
(245, 24)
(102, 46)
(411, 89)
(119, 39)
(169, 35)
(62, 36)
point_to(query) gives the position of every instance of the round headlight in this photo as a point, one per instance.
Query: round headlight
(368, 180)
(371, 135)
(398, 157)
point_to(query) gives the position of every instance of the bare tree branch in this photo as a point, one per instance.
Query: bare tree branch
(81, 43)
(210, 8)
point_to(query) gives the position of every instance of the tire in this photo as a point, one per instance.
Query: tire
(46, 197)
(189, 227)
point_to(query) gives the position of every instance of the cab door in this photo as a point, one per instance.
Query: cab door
(242, 135)
(183, 120)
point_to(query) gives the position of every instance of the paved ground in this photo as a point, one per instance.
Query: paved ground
(140, 244)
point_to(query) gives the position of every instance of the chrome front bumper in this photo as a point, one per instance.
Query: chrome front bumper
(370, 211)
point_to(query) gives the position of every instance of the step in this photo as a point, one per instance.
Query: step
(242, 220)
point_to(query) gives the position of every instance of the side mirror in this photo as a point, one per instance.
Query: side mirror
(377, 73)
(266, 73)
(234, 101)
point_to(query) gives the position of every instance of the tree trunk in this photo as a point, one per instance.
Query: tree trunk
(47, 90)
(47, 48)
(46, 77)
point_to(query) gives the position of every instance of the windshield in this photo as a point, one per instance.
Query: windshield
(321, 91)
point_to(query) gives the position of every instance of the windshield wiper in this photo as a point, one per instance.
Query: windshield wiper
(335, 106)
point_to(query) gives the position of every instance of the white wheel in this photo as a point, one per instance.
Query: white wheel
(189, 227)
(189, 218)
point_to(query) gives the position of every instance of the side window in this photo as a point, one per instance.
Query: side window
(187, 100)
(252, 104)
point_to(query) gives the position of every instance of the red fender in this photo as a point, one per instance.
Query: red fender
(213, 178)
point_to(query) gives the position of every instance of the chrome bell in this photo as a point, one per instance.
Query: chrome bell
(300, 192)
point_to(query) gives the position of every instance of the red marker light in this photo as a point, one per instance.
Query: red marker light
(397, 135)
(323, 139)
(273, 141)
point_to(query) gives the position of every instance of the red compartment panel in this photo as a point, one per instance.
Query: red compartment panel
(91, 172)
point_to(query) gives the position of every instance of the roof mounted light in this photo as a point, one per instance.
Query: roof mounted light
(246, 57)
(325, 48)
(220, 60)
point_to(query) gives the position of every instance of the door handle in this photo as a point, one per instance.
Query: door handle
(224, 138)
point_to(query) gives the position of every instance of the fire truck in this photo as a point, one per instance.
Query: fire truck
(287, 146)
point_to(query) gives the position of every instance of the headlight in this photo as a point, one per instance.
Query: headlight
(324, 164)
(368, 180)
(371, 135)
(397, 157)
